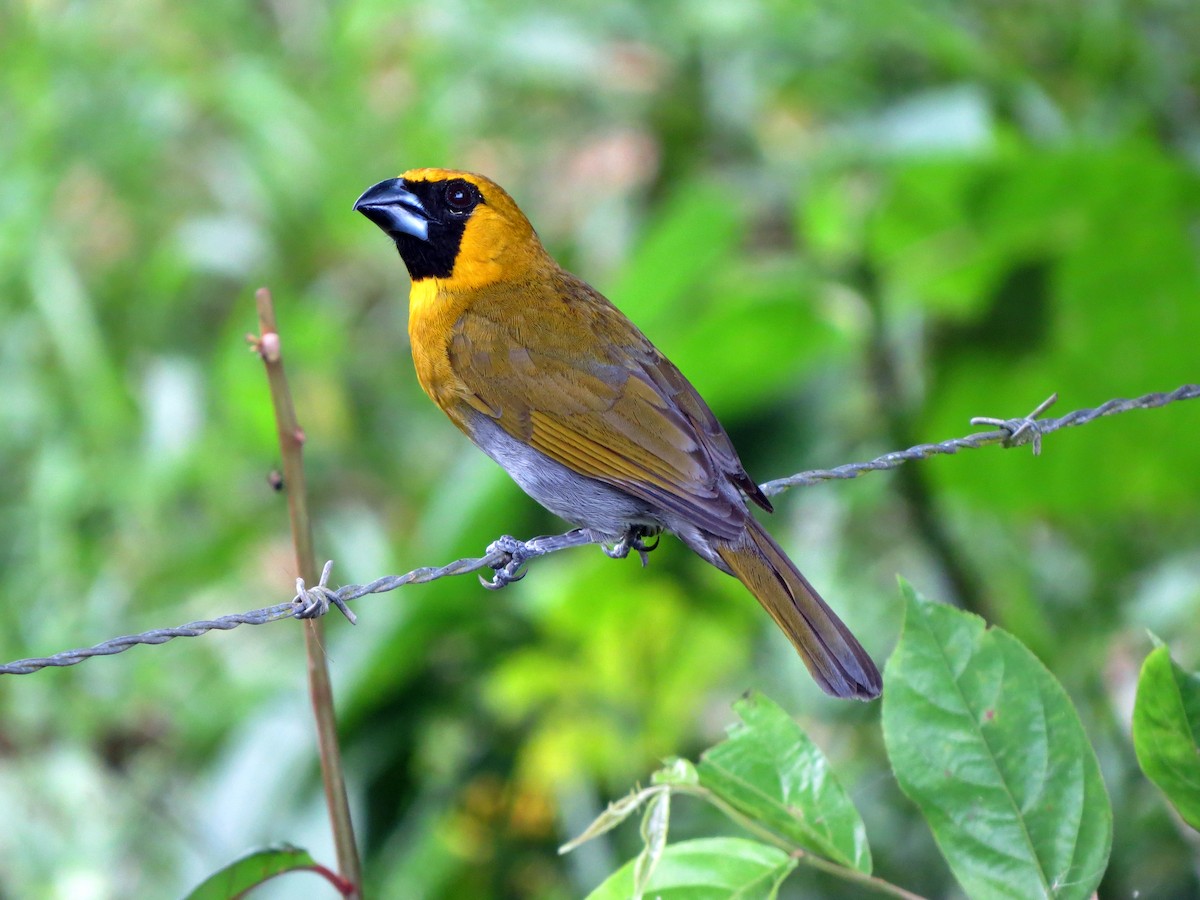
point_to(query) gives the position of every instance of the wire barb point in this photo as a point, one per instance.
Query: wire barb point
(1025, 430)
(314, 602)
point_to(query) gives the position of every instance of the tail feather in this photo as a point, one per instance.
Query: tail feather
(837, 661)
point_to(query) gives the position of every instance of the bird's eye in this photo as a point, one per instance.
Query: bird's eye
(460, 196)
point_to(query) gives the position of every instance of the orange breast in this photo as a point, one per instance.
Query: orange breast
(432, 313)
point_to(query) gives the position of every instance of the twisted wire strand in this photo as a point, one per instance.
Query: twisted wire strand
(506, 556)
(155, 636)
(1009, 432)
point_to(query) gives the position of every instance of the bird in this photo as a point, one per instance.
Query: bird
(552, 381)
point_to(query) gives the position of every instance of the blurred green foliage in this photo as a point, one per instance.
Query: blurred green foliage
(853, 226)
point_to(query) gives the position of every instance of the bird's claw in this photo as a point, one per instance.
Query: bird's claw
(635, 540)
(516, 554)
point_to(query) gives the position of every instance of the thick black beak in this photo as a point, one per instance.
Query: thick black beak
(394, 209)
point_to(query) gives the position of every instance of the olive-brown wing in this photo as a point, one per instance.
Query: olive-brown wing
(578, 382)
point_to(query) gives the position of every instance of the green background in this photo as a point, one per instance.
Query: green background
(853, 226)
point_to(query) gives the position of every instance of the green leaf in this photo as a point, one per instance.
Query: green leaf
(769, 770)
(706, 869)
(1166, 725)
(985, 741)
(251, 870)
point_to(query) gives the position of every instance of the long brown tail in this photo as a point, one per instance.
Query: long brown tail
(837, 661)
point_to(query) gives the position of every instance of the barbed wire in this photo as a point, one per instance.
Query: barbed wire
(1009, 433)
(507, 556)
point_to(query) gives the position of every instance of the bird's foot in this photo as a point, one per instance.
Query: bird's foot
(635, 539)
(515, 554)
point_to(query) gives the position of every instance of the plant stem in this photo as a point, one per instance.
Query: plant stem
(869, 882)
(291, 442)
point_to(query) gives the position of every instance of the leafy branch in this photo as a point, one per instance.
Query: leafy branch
(980, 736)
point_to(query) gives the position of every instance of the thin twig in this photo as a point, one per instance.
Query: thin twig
(500, 557)
(291, 443)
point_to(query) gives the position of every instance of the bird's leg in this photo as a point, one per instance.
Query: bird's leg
(635, 539)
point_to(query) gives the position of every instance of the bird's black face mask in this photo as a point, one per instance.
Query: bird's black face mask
(425, 219)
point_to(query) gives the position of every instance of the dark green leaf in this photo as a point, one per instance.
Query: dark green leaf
(985, 741)
(708, 869)
(250, 871)
(771, 771)
(1166, 723)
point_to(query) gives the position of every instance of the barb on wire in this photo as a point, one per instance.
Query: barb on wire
(507, 556)
(1009, 433)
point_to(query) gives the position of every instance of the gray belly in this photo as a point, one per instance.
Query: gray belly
(578, 499)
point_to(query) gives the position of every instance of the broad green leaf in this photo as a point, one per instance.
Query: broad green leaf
(1166, 731)
(706, 869)
(985, 741)
(251, 870)
(769, 770)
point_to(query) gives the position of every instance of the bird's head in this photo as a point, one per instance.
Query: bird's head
(453, 226)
